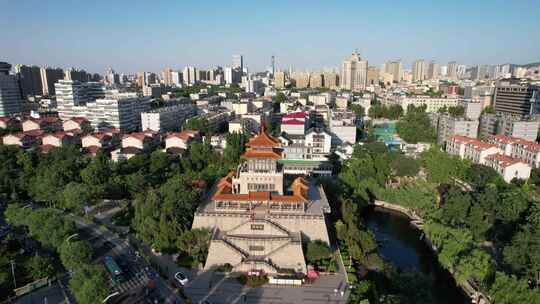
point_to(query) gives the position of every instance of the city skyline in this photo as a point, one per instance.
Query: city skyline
(152, 37)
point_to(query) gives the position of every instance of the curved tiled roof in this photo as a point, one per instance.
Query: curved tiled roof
(263, 140)
(250, 153)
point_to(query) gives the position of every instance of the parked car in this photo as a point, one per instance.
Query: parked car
(181, 278)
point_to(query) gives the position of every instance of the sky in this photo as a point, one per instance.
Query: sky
(138, 35)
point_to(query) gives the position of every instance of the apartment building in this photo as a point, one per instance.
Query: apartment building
(167, 118)
(432, 104)
(10, 94)
(56, 140)
(72, 97)
(342, 126)
(118, 110)
(516, 99)
(508, 167)
(178, 142)
(493, 155)
(526, 151)
(95, 142)
(22, 140)
(509, 125)
(294, 123)
(76, 124)
(134, 144)
(448, 126)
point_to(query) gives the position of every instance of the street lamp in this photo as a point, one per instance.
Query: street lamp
(71, 236)
(110, 296)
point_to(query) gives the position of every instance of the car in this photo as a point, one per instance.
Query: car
(181, 278)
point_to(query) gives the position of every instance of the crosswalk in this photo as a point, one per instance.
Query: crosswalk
(134, 274)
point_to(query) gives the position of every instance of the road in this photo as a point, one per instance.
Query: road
(137, 267)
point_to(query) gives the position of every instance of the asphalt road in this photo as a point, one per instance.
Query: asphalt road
(138, 271)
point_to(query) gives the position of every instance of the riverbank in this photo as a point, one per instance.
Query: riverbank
(417, 222)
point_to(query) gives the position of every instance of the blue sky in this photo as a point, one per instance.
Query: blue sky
(140, 35)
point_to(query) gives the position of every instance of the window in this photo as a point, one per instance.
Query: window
(256, 248)
(257, 227)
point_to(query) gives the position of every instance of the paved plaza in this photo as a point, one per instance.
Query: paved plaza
(219, 289)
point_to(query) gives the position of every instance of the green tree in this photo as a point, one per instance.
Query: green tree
(522, 254)
(236, 145)
(75, 254)
(442, 167)
(488, 110)
(194, 243)
(405, 166)
(198, 123)
(75, 196)
(457, 111)
(89, 284)
(316, 251)
(40, 267)
(416, 126)
(147, 213)
(358, 110)
(96, 175)
(509, 290)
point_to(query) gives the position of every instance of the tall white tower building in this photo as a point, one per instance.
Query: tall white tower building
(354, 73)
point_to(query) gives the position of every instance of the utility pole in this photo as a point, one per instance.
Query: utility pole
(13, 273)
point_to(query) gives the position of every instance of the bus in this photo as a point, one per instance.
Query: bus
(114, 270)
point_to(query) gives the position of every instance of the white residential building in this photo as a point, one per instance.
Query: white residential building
(526, 151)
(488, 154)
(118, 110)
(433, 104)
(72, 97)
(167, 118)
(508, 167)
(342, 127)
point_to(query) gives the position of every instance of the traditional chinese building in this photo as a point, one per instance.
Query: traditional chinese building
(257, 219)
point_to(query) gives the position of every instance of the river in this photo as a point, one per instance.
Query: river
(400, 245)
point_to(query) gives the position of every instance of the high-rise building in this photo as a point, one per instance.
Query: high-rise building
(190, 75)
(232, 75)
(10, 93)
(72, 97)
(317, 80)
(30, 80)
(150, 78)
(433, 71)
(354, 73)
(117, 110)
(452, 71)
(166, 76)
(279, 80)
(301, 79)
(461, 70)
(395, 69)
(331, 80)
(373, 75)
(479, 72)
(76, 75)
(419, 70)
(176, 78)
(111, 77)
(238, 62)
(516, 99)
(140, 79)
(49, 77)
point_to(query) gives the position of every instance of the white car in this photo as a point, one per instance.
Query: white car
(181, 278)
